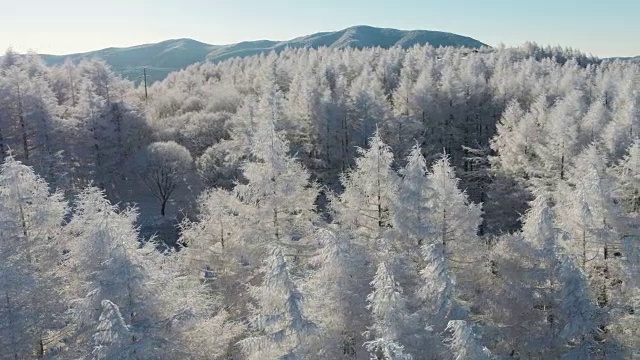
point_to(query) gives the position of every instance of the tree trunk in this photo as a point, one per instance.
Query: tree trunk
(23, 127)
(3, 153)
(584, 249)
(163, 206)
(221, 233)
(275, 223)
(444, 227)
(13, 336)
(40, 354)
(380, 222)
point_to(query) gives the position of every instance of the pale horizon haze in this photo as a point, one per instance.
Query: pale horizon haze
(72, 26)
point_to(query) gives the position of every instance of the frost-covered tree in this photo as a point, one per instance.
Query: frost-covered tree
(412, 209)
(580, 322)
(32, 302)
(594, 220)
(594, 121)
(437, 288)
(335, 294)
(106, 125)
(278, 195)
(625, 118)
(112, 338)
(280, 328)
(216, 169)
(592, 216)
(370, 191)
(9, 59)
(165, 166)
(627, 174)
(121, 132)
(201, 130)
(513, 141)
(454, 218)
(541, 270)
(214, 237)
(105, 262)
(14, 100)
(32, 119)
(191, 309)
(305, 114)
(216, 249)
(388, 306)
(369, 110)
(559, 141)
(454, 222)
(463, 342)
(386, 350)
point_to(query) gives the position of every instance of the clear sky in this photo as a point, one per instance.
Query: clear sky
(603, 28)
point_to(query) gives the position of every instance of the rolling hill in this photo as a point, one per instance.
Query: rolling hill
(632, 59)
(164, 57)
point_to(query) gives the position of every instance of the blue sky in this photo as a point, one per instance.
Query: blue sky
(604, 28)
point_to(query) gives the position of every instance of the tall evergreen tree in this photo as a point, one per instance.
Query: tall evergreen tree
(30, 224)
(412, 209)
(281, 328)
(388, 305)
(463, 342)
(106, 262)
(370, 191)
(336, 301)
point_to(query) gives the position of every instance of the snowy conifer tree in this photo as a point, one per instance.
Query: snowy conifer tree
(278, 195)
(622, 131)
(388, 305)
(437, 288)
(592, 218)
(370, 191)
(454, 218)
(112, 338)
(369, 109)
(105, 262)
(463, 342)
(628, 178)
(580, 312)
(32, 302)
(336, 302)
(559, 143)
(512, 141)
(191, 309)
(280, 327)
(412, 205)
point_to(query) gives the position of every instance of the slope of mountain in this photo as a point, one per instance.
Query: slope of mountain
(160, 58)
(356, 37)
(164, 57)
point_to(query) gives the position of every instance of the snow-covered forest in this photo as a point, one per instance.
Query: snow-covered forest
(429, 203)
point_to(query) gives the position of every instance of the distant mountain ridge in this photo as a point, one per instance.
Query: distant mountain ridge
(167, 56)
(631, 59)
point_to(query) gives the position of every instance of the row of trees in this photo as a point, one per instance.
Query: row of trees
(447, 100)
(80, 123)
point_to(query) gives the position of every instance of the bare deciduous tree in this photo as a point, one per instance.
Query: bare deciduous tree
(165, 165)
